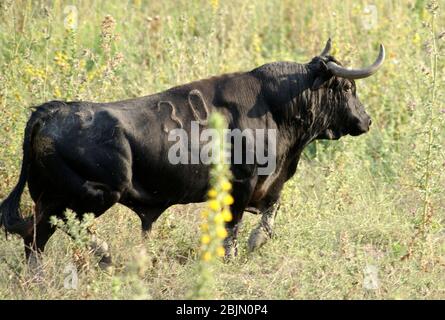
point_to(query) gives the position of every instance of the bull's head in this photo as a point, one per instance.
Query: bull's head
(335, 87)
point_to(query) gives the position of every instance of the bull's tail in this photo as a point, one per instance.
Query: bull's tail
(10, 216)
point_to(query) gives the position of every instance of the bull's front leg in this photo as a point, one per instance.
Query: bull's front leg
(264, 230)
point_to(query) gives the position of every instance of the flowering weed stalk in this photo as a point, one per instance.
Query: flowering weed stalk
(66, 59)
(110, 60)
(216, 213)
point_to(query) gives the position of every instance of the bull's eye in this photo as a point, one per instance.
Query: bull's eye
(347, 87)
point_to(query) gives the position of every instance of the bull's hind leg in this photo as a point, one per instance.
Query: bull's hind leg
(38, 237)
(264, 230)
(98, 198)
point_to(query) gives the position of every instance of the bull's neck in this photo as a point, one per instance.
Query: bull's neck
(294, 106)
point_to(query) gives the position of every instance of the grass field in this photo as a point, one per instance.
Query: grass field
(363, 218)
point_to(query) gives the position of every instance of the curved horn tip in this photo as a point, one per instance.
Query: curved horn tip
(327, 47)
(382, 50)
(329, 43)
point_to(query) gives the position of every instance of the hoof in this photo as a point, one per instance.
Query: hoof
(106, 265)
(257, 238)
(101, 250)
(230, 254)
(107, 268)
(231, 250)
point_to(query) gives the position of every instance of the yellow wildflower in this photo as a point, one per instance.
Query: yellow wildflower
(57, 92)
(71, 20)
(205, 239)
(18, 97)
(61, 59)
(219, 218)
(227, 215)
(226, 185)
(207, 256)
(204, 214)
(212, 193)
(214, 205)
(214, 4)
(228, 200)
(221, 232)
(416, 39)
(220, 251)
(82, 64)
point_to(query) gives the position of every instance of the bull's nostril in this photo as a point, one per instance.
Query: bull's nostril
(370, 122)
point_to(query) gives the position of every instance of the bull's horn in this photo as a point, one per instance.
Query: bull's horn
(327, 48)
(357, 73)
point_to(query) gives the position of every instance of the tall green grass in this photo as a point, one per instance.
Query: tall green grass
(375, 202)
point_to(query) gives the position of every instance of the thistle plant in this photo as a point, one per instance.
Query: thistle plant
(80, 231)
(216, 213)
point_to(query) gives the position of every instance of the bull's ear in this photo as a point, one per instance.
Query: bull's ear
(323, 75)
(319, 82)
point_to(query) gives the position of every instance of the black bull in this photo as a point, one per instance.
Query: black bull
(88, 156)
